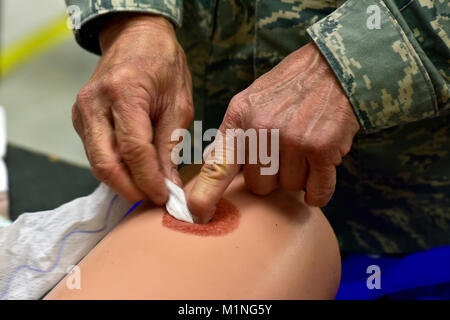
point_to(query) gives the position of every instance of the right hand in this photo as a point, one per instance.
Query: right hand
(139, 93)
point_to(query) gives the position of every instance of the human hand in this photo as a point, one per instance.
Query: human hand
(304, 100)
(140, 91)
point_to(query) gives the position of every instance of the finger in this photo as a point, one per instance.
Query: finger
(134, 138)
(256, 182)
(214, 178)
(77, 121)
(293, 170)
(320, 185)
(96, 132)
(256, 179)
(78, 125)
(170, 121)
(100, 145)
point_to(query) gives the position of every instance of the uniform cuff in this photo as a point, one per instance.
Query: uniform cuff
(93, 14)
(379, 69)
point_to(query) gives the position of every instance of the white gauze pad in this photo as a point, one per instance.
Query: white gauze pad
(177, 205)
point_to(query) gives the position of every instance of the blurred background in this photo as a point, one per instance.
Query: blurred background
(42, 69)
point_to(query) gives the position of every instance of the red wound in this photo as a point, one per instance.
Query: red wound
(225, 220)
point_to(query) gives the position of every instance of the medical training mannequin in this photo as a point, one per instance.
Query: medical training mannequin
(272, 247)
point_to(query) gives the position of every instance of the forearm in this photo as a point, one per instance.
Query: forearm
(127, 24)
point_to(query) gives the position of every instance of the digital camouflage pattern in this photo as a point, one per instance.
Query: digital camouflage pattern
(393, 191)
(409, 95)
(92, 12)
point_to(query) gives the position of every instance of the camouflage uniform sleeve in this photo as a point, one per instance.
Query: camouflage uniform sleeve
(92, 14)
(397, 73)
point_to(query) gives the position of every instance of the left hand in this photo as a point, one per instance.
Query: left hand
(302, 98)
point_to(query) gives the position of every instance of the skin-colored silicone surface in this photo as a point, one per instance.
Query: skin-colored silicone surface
(276, 247)
(225, 220)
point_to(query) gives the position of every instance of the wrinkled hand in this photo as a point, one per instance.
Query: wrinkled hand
(139, 93)
(304, 100)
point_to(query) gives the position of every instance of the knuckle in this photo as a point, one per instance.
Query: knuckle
(75, 115)
(115, 80)
(320, 151)
(121, 75)
(290, 139)
(214, 172)
(76, 119)
(337, 159)
(85, 95)
(187, 109)
(131, 151)
(321, 147)
(103, 170)
(236, 109)
(327, 190)
(74, 112)
(320, 198)
(261, 122)
(238, 101)
(345, 149)
(126, 109)
(324, 192)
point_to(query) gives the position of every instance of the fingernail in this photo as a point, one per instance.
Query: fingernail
(200, 220)
(196, 219)
(205, 217)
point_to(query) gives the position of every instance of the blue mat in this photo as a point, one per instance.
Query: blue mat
(422, 275)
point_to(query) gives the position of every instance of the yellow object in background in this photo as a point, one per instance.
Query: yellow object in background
(37, 42)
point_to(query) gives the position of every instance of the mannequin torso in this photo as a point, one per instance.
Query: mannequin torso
(272, 247)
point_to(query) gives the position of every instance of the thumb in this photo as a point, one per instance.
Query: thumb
(215, 176)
